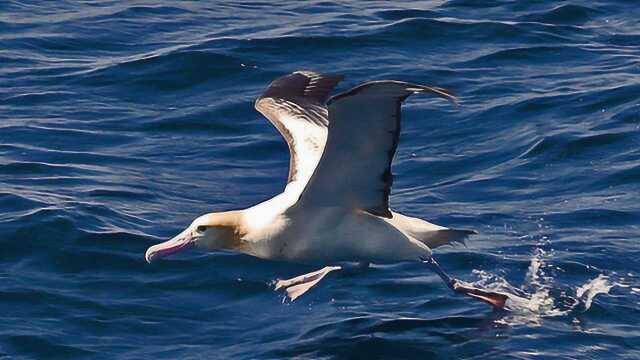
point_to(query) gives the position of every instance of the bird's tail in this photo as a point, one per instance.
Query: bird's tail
(433, 239)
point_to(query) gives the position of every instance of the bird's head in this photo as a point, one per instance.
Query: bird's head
(213, 231)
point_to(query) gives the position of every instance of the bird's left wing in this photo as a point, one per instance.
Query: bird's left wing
(295, 105)
(364, 128)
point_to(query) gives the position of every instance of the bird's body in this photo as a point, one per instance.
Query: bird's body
(335, 206)
(326, 235)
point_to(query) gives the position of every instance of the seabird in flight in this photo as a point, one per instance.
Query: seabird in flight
(335, 206)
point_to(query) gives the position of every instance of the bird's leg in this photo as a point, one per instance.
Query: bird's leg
(299, 285)
(497, 300)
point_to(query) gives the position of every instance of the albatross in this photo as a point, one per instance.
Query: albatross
(335, 206)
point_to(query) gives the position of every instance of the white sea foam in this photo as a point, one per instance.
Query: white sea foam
(538, 297)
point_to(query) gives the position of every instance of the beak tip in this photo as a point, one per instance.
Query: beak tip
(148, 256)
(166, 248)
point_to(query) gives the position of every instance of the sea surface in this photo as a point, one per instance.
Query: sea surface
(121, 121)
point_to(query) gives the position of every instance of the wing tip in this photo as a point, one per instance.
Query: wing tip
(407, 88)
(306, 84)
(315, 74)
(442, 92)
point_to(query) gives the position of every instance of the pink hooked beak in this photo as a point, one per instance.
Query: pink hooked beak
(179, 242)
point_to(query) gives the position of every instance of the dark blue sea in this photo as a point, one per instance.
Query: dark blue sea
(122, 121)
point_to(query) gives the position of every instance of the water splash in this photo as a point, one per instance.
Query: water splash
(588, 291)
(538, 297)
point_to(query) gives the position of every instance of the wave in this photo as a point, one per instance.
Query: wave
(28, 168)
(564, 14)
(566, 147)
(43, 345)
(37, 98)
(39, 139)
(142, 10)
(233, 118)
(70, 157)
(541, 54)
(602, 217)
(169, 71)
(399, 14)
(11, 202)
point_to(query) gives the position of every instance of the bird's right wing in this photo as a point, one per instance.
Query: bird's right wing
(364, 128)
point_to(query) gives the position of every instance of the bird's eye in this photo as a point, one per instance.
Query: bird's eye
(201, 228)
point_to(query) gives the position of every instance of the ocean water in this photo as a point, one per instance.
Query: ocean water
(120, 122)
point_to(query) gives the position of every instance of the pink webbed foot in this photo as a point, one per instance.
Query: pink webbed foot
(495, 299)
(297, 286)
